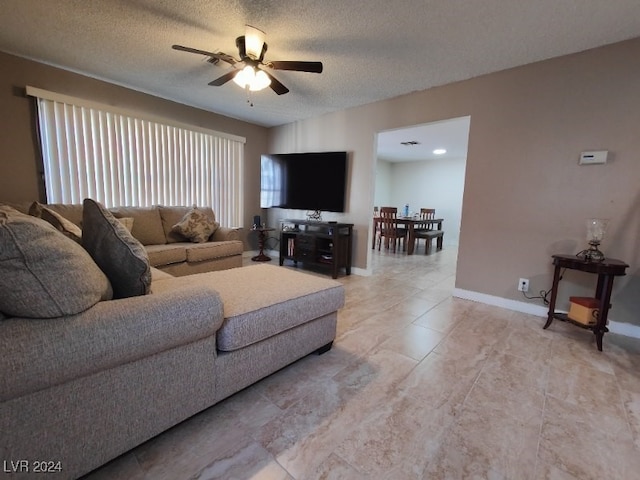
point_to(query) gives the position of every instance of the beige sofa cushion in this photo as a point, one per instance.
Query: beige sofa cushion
(44, 274)
(157, 275)
(170, 216)
(167, 254)
(147, 225)
(120, 256)
(261, 301)
(199, 252)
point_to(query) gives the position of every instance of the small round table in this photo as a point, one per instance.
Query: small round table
(262, 236)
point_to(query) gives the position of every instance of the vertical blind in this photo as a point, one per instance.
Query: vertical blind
(120, 160)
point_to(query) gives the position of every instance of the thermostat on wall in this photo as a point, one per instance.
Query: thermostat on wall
(593, 158)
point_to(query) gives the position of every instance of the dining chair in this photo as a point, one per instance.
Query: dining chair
(421, 229)
(426, 214)
(389, 229)
(426, 230)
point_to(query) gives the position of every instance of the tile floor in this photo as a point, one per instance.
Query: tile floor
(420, 385)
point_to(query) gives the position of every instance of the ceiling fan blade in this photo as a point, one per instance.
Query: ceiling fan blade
(312, 67)
(220, 56)
(276, 86)
(224, 78)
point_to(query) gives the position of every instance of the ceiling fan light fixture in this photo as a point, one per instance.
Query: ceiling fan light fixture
(254, 80)
(254, 41)
(247, 72)
(260, 81)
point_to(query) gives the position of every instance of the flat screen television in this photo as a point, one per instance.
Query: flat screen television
(304, 181)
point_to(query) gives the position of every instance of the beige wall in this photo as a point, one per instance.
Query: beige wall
(525, 196)
(19, 180)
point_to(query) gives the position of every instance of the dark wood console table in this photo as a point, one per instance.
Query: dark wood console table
(317, 243)
(606, 270)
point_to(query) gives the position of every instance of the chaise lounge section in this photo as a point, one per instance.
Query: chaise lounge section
(82, 387)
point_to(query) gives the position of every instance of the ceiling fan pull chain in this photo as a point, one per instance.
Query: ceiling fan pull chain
(249, 95)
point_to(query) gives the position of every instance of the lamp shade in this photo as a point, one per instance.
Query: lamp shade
(260, 81)
(254, 40)
(244, 77)
(252, 78)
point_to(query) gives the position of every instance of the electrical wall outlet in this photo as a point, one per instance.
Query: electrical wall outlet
(523, 285)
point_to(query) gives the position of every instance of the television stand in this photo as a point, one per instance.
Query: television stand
(323, 244)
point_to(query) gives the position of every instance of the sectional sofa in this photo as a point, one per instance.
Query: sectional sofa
(101, 352)
(167, 250)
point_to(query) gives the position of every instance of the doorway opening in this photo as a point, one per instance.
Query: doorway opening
(412, 168)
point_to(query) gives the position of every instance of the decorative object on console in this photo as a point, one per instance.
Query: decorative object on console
(314, 215)
(596, 228)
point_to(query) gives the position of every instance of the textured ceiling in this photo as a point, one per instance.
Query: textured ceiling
(371, 49)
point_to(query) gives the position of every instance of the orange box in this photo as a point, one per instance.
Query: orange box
(584, 310)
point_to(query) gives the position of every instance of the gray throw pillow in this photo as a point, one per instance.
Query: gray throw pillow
(44, 274)
(120, 256)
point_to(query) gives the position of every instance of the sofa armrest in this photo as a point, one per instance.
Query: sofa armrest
(226, 233)
(40, 353)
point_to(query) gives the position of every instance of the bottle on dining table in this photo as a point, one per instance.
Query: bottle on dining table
(406, 209)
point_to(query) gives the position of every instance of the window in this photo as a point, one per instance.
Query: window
(272, 181)
(121, 159)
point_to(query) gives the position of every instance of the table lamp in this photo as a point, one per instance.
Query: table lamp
(596, 228)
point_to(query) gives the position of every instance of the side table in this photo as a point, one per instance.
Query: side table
(606, 270)
(262, 236)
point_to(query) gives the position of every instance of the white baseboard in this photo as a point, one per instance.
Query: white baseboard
(625, 329)
(509, 304)
(363, 272)
(620, 328)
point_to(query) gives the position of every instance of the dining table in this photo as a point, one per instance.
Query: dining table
(410, 223)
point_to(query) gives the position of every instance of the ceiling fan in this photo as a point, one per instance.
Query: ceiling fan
(248, 71)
